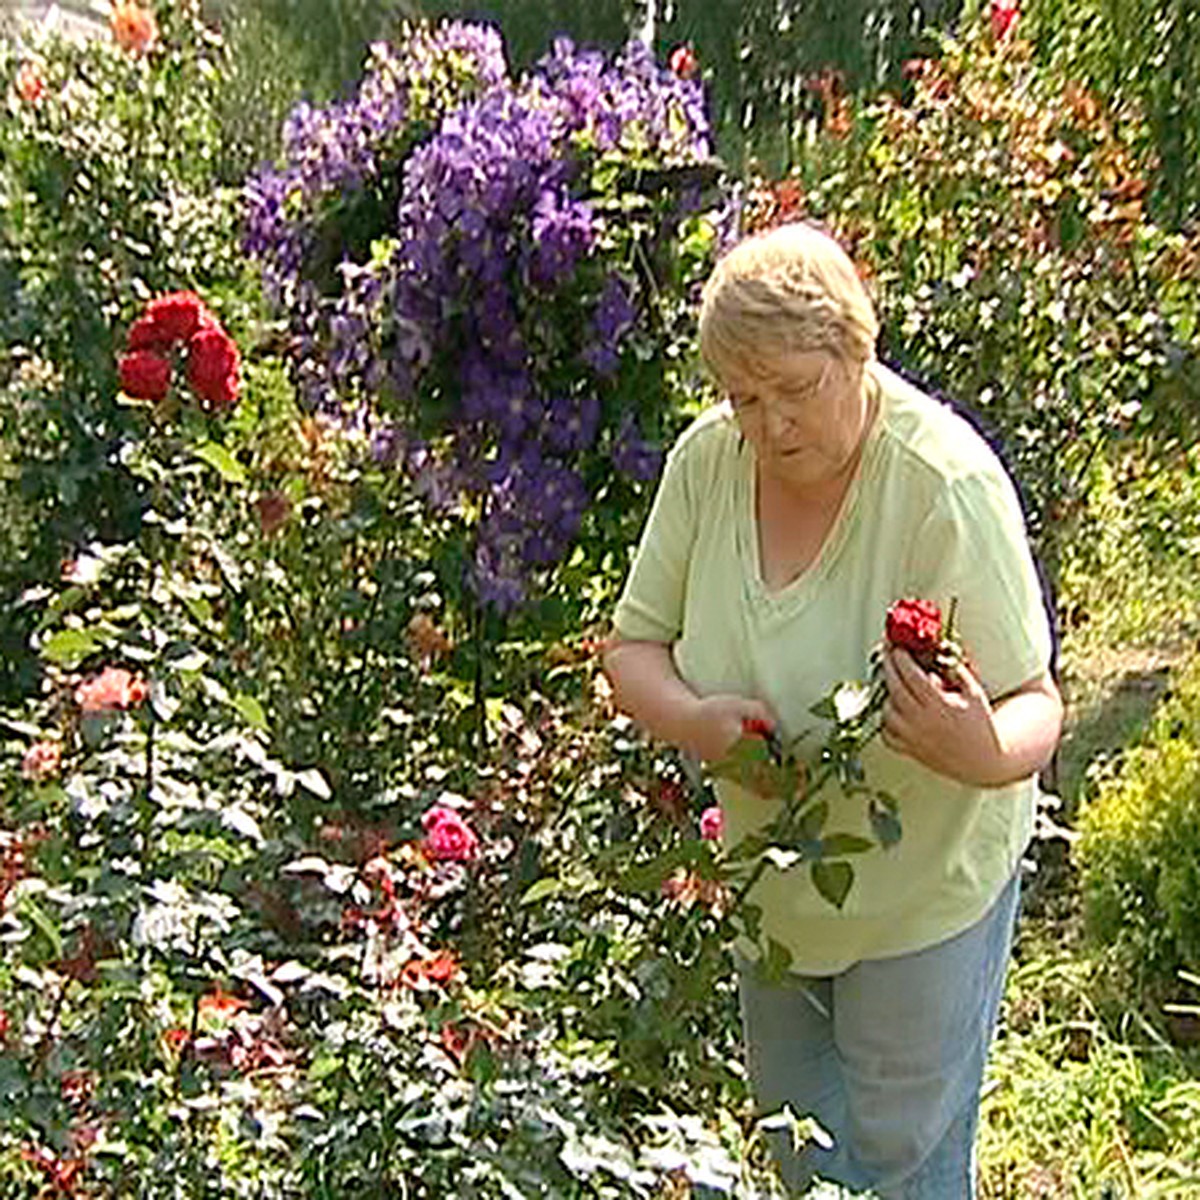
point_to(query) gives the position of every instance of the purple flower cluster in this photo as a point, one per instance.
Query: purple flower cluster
(495, 308)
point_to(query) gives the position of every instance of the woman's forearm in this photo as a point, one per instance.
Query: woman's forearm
(1028, 725)
(647, 686)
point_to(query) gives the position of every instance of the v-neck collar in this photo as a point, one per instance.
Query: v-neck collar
(798, 591)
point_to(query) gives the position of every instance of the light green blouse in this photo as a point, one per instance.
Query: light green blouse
(931, 514)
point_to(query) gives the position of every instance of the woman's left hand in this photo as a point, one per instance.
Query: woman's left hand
(947, 727)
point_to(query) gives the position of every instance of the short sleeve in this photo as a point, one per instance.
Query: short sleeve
(652, 602)
(972, 547)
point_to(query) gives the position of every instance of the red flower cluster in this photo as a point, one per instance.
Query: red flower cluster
(448, 838)
(174, 321)
(113, 690)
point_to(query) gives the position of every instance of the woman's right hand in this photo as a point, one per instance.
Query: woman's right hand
(716, 722)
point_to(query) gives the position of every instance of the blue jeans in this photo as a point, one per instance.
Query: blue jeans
(888, 1056)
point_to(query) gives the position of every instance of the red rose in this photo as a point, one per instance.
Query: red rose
(144, 375)
(683, 62)
(756, 727)
(1004, 15)
(178, 315)
(915, 626)
(212, 367)
(448, 837)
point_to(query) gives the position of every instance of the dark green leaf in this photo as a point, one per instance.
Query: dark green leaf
(833, 880)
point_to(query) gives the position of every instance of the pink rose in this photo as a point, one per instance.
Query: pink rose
(42, 760)
(712, 824)
(448, 838)
(113, 689)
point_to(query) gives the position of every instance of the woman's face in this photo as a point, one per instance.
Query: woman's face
(805, 413)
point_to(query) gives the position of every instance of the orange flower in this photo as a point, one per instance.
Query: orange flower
(427, 639)
(133, 28)
(221, 1004)
(113, 689)
(29, 83)
(439, 969)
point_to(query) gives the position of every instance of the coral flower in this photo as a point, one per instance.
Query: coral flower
(42, 760)
(220, 1003)
(29, 83)
(133, 27)
(169, 319)
(114, 689)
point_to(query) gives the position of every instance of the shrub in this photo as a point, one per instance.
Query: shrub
(999, 215)
(1139, 851)
(108, 187)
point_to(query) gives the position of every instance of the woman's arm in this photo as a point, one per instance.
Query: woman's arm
(963, 735)
(647, 687)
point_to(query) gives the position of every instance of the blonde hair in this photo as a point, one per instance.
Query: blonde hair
(790, 289)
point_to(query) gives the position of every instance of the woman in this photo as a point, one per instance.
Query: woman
(786, 522)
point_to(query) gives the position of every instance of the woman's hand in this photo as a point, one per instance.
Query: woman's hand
(715, 723)
(957, 732)
(647, 686)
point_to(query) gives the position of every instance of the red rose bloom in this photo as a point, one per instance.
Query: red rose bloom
(167, 320)
(683, 62)
(915, 626)
(145, 375)
(212, 367)
(1004, 15)
(448, 837)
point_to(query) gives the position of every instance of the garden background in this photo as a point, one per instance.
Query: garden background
(339, 345)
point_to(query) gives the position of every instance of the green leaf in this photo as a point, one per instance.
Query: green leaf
(250, 710)
(26, 906)
(838, 844)
(775, 964)
(323, 1066)
(549, 886)
(833, 880)
(69, 647)
(221, 461)
(750, 765)
(814, 820)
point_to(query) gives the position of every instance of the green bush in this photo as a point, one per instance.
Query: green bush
(997, 213)
(109, 185)
(1144, 52)
(1139, 850)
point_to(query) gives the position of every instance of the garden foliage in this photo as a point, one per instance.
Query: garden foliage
(109, 195)
(1138, 857)
(999, 217)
